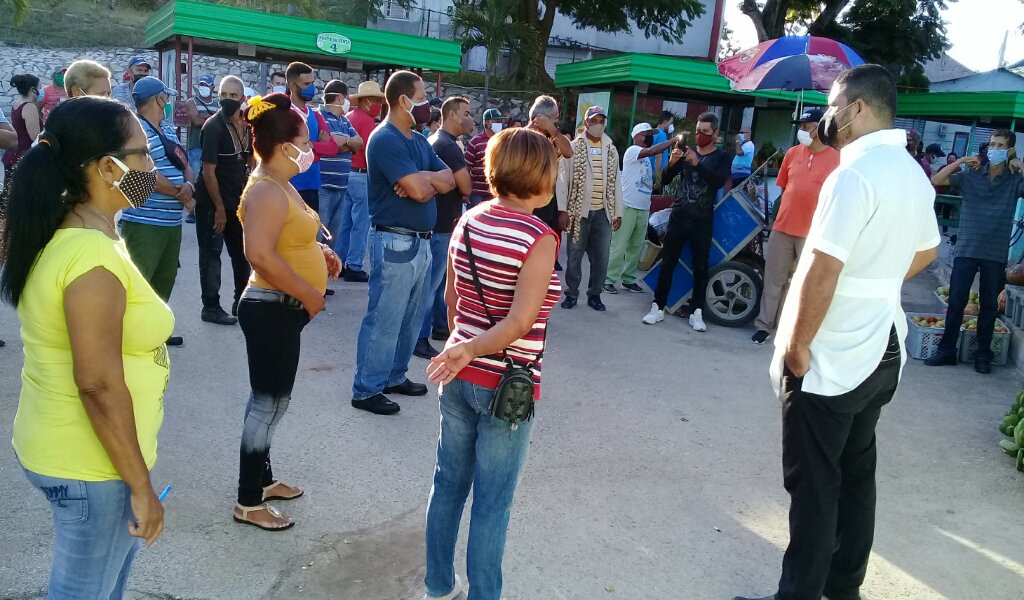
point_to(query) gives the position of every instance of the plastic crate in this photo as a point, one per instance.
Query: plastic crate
(941, 298)
(1000, 345)
(922, 342)
(1015, 304)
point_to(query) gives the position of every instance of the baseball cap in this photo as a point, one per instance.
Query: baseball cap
(913, 136)
(138, 60)
(594, 111)
(150, 86)
(640, 128)
(206, 80)
(810, 115)
(934, 149)
(493, 114)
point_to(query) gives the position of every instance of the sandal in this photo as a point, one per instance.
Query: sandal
(299, 491)
(244, 519)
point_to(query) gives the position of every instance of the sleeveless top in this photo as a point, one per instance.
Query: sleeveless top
(296, 243)
(207, 110)
(502, 239)
(11, 157)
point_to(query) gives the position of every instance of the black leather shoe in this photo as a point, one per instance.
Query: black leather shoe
(407, 388)
(983, 366)
(558, 265)
(423, 349)
(328, 292)
(2, 343)
(175, 340)
(378, 404)
(569, 302)
(356, 276)
(834, 595)
(595, 303)
(440, 335)
(772, 597)
(940, 360)
(234, 308)
(218, 316)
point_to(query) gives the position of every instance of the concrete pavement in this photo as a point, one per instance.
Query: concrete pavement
(654, 472)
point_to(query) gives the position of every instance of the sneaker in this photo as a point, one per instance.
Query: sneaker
(175, 340)
(697, 321)
(217, 316)
(595, 303)
(328, 292)
(569, 302)
(378, 404)
(439, 335)
(633, 287)
(450, 595)
(760, 336)
(356, 276)
(657, 315)
(2, 343)
(610, 288)
(558, 265)
(423, 349)
(190, 217)
(941, 360)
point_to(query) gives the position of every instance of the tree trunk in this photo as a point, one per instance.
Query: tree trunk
(544, 35)
(827, 16)
(487, 87)
(770, 21)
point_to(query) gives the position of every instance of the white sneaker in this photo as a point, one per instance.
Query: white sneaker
(450, 595)
(655, 316)
(697, 321)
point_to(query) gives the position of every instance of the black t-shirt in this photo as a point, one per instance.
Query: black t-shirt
(698, 186)
(220, 147)
(449, 205)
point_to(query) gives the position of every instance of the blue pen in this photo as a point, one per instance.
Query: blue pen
(163, 494)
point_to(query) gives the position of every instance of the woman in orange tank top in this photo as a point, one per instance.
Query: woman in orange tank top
(286, 290)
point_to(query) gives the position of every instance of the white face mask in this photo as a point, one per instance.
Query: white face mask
(496, 127)
(346, 105)
(304, 160)
(596, 130)
(671, 128)
(205, 92)
(280, 89)
(804, 137)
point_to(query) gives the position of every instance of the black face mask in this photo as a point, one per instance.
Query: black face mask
(230, 107)
(648, 140)
(828, 128)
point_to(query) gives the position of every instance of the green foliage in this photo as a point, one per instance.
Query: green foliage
(19, 9)
(491, 25)
(76, 24)
(665, 19)
(358, 12)
(302, 8)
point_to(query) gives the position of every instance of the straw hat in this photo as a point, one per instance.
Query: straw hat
(367, 89)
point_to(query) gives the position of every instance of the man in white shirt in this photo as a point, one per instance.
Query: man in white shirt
(637, 182)
(838, 352)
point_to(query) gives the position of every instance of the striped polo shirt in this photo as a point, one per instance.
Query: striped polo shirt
(160, 209)
(502, 240)
(334, 170)
(595, 152)
(474, 155)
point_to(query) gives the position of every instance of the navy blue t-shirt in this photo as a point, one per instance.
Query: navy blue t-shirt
(391, 156)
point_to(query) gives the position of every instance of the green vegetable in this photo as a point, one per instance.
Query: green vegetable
(1018, 433)
(1010, 447)
(1020, 459)
(1006, 430)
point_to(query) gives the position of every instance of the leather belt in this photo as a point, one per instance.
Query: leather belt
(425, 235)
(257, 294)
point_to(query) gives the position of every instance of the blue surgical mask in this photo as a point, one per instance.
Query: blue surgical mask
(41, 95)
(280, 89)
(997, 157)
(308, 92)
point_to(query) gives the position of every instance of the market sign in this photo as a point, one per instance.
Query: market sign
(333, 43)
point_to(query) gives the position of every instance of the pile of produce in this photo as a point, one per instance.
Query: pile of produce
(973, 300)
(932, 321)
(972, 325)
(1013, 426)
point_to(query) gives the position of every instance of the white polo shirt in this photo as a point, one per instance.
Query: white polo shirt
(874, 214)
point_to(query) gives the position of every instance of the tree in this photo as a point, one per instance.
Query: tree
(727, 46)
(665, 19)
(305, 8)
(20, 8)
(360, 12)
(489, 24)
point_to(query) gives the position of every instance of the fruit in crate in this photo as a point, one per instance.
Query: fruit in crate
(974, 298)
(1001, 329)
(1002, 302)
(943, 291)
(972, 309)
(1015, 275)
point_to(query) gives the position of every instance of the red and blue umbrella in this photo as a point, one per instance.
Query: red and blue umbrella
(790, 63)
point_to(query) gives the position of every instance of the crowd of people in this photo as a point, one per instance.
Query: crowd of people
(456, 237)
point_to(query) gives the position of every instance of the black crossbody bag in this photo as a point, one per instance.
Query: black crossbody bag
(513, 398)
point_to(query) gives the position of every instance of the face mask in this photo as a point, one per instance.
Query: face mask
(229, 107)
(420, 113)
(244, 105)
(742, 138)
(205, 92)
(304, 160)
(596, 130)
(279, 89)
(58, 80)
(308, 92)
(496, 127)
(704, 139)
(135, 186)
(671, 128)
(648, 140)
(167, 110)
(40, 95)
(374, 110)
(828, 129)
(997, 157)
(346, 106)
(804, 137)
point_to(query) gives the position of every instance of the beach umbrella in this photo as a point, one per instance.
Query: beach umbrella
(793, 62)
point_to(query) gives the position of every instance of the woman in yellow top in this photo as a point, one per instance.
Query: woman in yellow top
(96, 367)
(286, 290)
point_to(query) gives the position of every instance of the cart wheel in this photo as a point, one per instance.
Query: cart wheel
(734, 294)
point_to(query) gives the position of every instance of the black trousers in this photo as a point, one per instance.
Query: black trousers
(272, 339)
(828, 461)
(210, 246)
(683, 229)
(312, 198)
(993, 277)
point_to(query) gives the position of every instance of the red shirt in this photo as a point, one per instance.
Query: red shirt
(800, 178)
(474, 155)
(364, 125)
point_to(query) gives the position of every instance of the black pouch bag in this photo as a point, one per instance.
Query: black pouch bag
(513, 398)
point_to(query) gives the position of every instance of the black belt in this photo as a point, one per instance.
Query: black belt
(354, 170)
(403, 231)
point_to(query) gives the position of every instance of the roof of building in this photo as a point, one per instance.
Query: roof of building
(944, 68)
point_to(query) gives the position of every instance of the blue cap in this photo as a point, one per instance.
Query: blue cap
(810, 115)
(150, 86)
(138, 60)
(206, 80)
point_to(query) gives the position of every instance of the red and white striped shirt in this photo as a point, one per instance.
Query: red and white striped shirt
(502, 239)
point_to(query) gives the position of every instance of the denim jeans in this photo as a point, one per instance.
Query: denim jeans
(435, 312)
(210, 246)
(355, 223)
(479, 451)
(992, 278)
(195, 160)
(331, 203)
(272, 340)
(595, 240)
(399, 265)
(92, 549)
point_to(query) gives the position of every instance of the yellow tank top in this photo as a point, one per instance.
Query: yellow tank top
(296, 243)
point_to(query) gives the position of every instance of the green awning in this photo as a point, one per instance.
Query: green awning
(964, 105)
(662, 71)
(222, 30)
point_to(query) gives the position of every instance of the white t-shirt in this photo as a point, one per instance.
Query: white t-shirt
(637, 179)
(874, 214)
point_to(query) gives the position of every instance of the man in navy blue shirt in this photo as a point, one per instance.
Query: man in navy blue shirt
(404, 175)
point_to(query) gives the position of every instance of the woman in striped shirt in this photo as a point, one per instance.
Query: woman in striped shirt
(514, 252)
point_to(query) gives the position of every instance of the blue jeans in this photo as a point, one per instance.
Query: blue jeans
(399, 265)
(479, 451)
(331, 203)
(92, 549)
(350, 243)
(195, 160)
(435, 312)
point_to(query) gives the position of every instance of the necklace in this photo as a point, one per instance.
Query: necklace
(100, 215)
